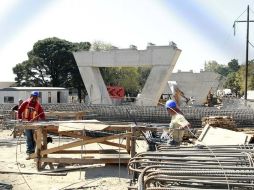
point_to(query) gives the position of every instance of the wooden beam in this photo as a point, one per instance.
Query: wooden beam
(86, 161)
(39, 136)
(82, 142)
(128, 145)
(33, 173)
(86, 138)
(77, 152)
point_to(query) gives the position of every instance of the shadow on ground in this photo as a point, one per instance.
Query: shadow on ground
(107, 171)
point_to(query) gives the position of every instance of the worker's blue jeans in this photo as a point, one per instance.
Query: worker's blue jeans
(30, 143)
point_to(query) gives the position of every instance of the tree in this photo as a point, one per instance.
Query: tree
(143, 75)
(129, 80)
(251, 83)
(215, 67)
(211, 66)
(233, 65)
(100, 46)
(118, 76)
(51, 63)
(233, 83)
(241, 76)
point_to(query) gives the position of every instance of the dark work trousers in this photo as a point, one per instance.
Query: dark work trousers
(30, 143)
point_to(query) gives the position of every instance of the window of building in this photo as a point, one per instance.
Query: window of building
(40, 95)
(49, 97)
(58, 97)
(8, 99)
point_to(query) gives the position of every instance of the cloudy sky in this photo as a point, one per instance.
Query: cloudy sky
(202, 29)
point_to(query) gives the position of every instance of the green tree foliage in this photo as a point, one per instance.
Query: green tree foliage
(251, 83)
(51, 63)
(250, 76)
(233, 82)
(100, 46)
(211, 66)
(126, 77)
(143, 75)
(232, 71)
(233, 65)
(215, 67)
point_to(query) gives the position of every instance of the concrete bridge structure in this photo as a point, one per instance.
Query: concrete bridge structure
(162, 59)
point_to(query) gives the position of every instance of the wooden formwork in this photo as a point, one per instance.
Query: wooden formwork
(77, 130)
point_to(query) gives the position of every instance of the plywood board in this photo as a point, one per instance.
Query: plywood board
(218, 136)
(81, 126)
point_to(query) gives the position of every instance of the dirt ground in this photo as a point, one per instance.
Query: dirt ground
(100, 176)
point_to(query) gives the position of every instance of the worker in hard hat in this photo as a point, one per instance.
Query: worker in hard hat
(178, 122)
(31, 110)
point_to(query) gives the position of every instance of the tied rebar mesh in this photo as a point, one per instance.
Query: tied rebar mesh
(242, 115)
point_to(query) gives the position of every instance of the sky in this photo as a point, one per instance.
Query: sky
(202, 29)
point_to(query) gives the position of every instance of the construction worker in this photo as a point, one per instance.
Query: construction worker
(31, 110)
(15, 108)
(178, 123)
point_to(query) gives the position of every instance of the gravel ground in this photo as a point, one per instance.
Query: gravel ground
(101, 176)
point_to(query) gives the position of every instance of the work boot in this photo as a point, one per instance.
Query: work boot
(29, 153)
(28, 157)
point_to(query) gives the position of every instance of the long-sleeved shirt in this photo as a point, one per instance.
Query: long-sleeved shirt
(32, 105)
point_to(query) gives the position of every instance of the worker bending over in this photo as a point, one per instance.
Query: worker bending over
(178, 123)
(31, 110)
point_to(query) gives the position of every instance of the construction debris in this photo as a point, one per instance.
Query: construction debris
(225, 122)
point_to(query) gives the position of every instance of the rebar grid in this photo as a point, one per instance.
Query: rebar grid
(244, 117)
(216, 167)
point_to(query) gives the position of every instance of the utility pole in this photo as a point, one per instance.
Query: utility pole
(247, 55)
(247, 50)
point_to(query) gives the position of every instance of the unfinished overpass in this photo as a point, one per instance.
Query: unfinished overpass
(162, 59)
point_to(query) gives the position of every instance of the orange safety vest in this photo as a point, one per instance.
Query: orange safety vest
(30, 112)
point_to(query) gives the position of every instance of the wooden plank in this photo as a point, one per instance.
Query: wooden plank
(82, 142)
(113, 144)
(65, 114)
(38, 147)
(77, 152)
(101, 152)
(44, 140)
(133, 142)
(128, 145)
(33, 173)
(86, 161)
(81, 126)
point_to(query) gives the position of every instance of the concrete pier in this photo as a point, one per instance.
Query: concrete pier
(162, 59)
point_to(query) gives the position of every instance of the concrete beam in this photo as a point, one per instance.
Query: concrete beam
(161, 58)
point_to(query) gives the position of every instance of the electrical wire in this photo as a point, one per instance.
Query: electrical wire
(17, 163)
(240, 15)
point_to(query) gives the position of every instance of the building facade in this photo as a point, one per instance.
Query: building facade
(47, 95)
